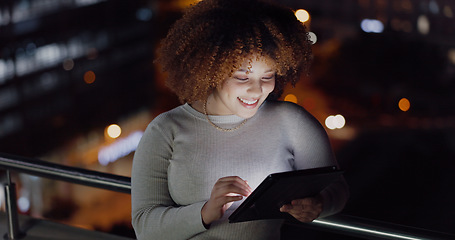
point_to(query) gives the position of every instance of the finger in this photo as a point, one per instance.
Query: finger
(235, 184)
(304, 201)
(286, 208)
(237, 180)
(291, 209)
(248, 186)
(220, 202)
(303, 216)
(229, 189)
(227, 199)
(296, 208)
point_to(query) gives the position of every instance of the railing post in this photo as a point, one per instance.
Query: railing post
(11, 210)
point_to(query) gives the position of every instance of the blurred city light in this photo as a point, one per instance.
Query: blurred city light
(329, 122)
(6, 70)
(404, 104)
(89, 77)
(120, 148)
(302, 15)
(434, 7)
(30, 48)
(447, 10)
(335, 122)
(23, 203)
(5, 17)
(30, 58)
(313, 37)
(451, 55)
(82, 3)
(372, 26)
(423, 24)
(144, 14)
(68, 64)
(113, 131)
(291, 98)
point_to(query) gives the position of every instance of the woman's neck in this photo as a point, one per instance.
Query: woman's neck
(198, 106)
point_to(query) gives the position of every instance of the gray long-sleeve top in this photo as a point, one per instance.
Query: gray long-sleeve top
(181, 156)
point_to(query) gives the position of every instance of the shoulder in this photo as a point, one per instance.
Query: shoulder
(285, 106)
(170, 117)
(168, 121)
(292, 117)
(284, 109)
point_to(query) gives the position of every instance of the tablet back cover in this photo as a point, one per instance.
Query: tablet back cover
(281, 188)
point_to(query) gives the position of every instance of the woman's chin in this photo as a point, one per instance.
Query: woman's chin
(247, 114)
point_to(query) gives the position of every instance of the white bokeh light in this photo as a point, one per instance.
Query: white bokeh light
(23, 203)
(313, 37)
(423, 24)
(335, 122)
(372, 26)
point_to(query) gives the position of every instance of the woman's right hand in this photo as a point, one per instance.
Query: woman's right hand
(225, 191)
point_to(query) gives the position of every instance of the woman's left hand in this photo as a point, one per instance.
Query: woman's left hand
(304, 210)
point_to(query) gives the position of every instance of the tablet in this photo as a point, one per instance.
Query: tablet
(281, 188)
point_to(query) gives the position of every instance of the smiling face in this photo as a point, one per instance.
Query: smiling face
(243, 93)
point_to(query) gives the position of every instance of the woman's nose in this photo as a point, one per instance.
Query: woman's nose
(255, 87)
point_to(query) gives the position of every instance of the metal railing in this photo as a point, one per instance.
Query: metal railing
(53, 171)
(339, 224)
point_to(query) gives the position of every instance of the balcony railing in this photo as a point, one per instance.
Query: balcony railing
(339, 224)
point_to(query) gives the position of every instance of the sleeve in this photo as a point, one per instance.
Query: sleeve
(154, 214)
(312, 149)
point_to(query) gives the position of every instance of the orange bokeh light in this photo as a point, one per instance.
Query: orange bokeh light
(404, 104)
(290, 98)
(89, 77)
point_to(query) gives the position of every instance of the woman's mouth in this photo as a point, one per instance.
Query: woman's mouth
(249, 103)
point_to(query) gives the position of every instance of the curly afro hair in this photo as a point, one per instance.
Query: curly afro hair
(214, 37)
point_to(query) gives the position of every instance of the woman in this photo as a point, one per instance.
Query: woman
(227, 61)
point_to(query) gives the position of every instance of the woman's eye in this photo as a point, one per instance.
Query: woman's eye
(268, 78)
(241, 78)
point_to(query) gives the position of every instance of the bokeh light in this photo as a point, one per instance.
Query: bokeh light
(68, 64)
(144, 14)
(372, 26)
(89, 77)
(23, 203)
(447, 10)
(313, 37)
(120, 148)
(423, 24)
(404, 104)
(451, 55)
(302, 15)
(113, 131)
(291, 98)
(335, 122)
(434, 7)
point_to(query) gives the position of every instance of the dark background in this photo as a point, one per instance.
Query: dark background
(400, 165)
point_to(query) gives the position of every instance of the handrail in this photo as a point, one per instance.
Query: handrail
(358, 227)
(340, 224)
(66, 173)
